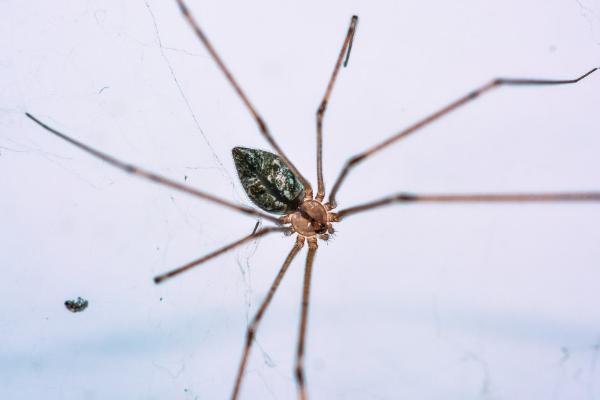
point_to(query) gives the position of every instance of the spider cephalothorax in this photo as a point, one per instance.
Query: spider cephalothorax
(310, 219)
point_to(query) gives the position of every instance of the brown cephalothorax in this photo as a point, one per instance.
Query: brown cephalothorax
(311, 218)
(276, 186)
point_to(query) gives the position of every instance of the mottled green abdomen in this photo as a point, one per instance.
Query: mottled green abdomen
(267, 180)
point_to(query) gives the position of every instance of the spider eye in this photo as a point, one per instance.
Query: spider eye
(267, 180)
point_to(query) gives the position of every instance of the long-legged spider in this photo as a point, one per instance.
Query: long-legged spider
(275, 185)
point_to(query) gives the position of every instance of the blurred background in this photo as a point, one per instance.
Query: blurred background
(420, 301)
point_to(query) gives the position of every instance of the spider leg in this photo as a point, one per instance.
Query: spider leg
(250, 333)
(323, 106)
(132, 169)
(262, 126)
(353, 161)
(473, 198)
(161, 278)
(299, 370)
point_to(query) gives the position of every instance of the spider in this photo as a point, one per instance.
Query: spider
(275, 185)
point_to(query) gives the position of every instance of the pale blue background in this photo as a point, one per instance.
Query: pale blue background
(423, 302)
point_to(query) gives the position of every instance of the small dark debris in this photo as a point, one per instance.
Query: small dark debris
(185, 178)
(256, 227)
(77, 305)
(161, 299)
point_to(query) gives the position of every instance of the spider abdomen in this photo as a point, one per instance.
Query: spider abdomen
(267, 180)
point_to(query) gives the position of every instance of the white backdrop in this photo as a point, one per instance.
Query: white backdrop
(423, 301)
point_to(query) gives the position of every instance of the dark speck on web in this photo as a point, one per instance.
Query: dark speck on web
(77, 305)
